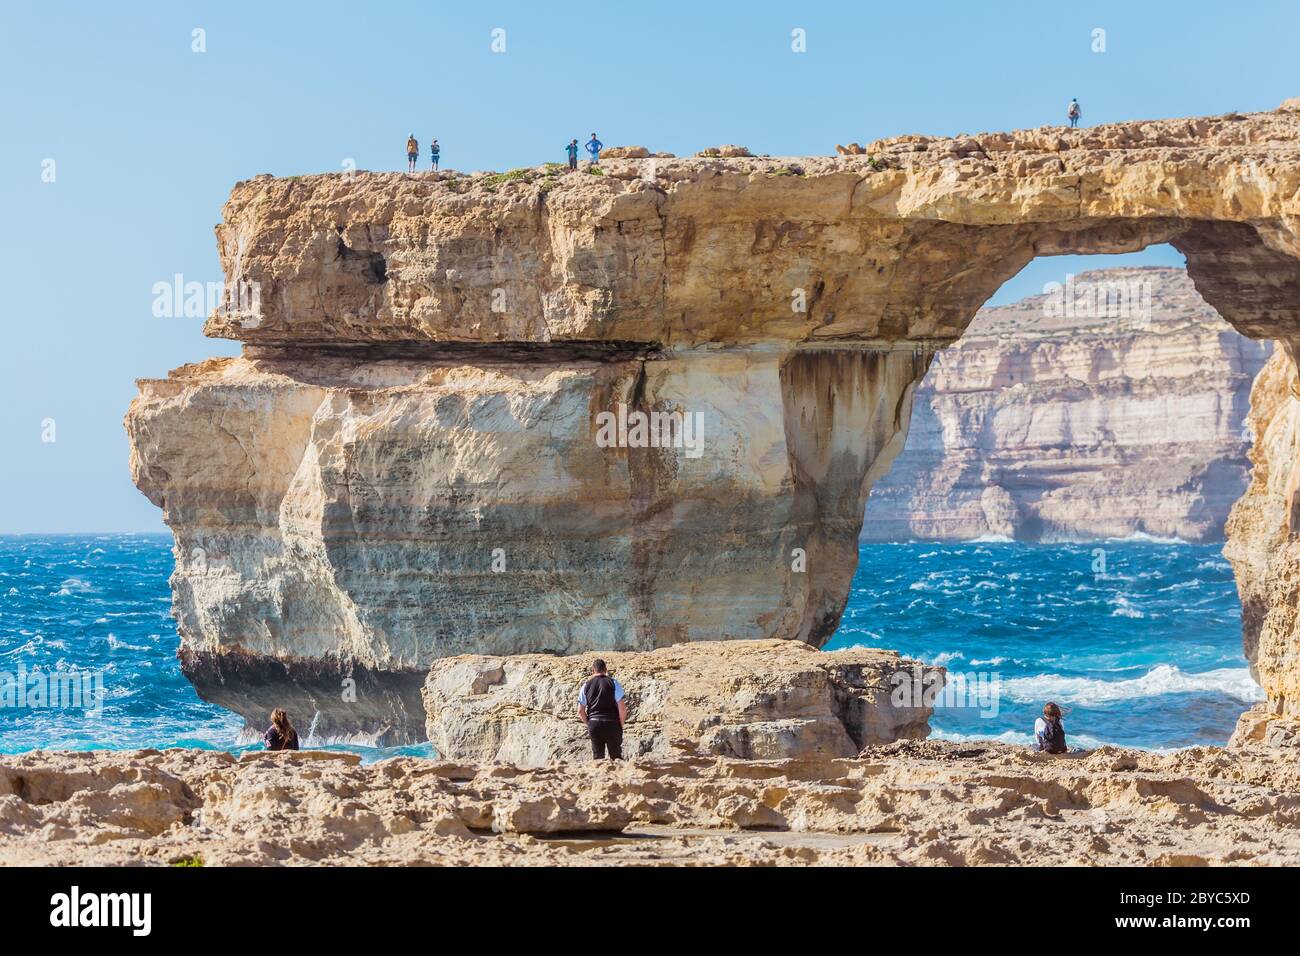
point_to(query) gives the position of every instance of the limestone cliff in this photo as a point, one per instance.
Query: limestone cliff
(342, 522)
(1111, 405)
(1264, 548)
(407, 461)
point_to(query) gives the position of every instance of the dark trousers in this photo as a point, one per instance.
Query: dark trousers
(606, 734)
(573, 162)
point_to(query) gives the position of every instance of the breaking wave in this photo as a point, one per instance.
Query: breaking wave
(1162, 679)
(1145, 647)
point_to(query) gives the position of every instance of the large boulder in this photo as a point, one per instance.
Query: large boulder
(625, 152)
(746, 699)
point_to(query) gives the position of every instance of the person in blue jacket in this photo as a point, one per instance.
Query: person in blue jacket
(572, 150)
(594, 146)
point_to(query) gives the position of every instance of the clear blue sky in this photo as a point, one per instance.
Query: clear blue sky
(148, 138)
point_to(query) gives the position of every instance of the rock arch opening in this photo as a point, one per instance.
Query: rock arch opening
(1097, 403)
(1052, 527)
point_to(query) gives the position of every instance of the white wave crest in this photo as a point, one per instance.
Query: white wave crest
(1024, 738)
(1235, 682)
(1125, 608)
(1142, 536)
(71, 586)
(117, 644)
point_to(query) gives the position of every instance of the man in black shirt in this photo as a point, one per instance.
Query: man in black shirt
(602, 707)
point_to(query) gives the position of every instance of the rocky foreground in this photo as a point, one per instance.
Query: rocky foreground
(907, 803)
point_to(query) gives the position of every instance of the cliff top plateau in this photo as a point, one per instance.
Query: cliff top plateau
(902, 244)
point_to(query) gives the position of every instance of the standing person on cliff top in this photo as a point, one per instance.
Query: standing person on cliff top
(594, 146)
(412, 153)
(572, 150)
(435, 153)
(602, 707)
(1074, 113)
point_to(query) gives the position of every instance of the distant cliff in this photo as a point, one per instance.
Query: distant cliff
(1113, 405)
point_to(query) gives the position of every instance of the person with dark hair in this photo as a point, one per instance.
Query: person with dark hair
(280, 735)
(412, 153)
(594, 146)
(1049, 731)
(1073, 113)
(572, 150)
(602, 706)
(435, 153)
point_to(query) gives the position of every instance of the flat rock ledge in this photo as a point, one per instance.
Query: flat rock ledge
(766, 699)
(908, 803)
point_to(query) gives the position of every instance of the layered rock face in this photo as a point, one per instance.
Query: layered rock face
(747, 699)
(414, 456)
(343, 522)
(1264, 548)
(1111, 405)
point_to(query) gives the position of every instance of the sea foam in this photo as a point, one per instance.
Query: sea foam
(1162, 679)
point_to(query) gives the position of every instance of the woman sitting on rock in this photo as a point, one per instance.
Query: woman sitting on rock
(1049, 731)
(280, 735)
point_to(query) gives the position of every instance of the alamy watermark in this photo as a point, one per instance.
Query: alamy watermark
(196, 300)
(70, 689)
(637, 429)
(1098, 299)
(921, 687)
(74, 909)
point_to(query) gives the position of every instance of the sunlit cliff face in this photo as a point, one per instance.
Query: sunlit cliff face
(404, 464)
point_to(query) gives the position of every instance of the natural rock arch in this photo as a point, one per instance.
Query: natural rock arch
(428, 354)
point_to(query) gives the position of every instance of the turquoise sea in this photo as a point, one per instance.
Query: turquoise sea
(1139, 640)
(1146, 653)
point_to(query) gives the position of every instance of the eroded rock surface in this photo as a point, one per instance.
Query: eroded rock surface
(404, 464)
(1125, 414)
(909, 803)
(711, 250)
(339, 519)
(1264, 548)
(746, 699)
